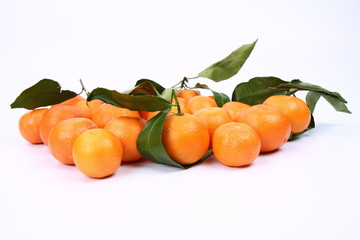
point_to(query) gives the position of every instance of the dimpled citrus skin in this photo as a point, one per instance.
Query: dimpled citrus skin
(295, 109)
(273, 127)
(212, 117)
(29, 125)
(127, 129)
(184, 138)
(236, 144)
(55, 115)
(62, 137)
(199, 102)
(106, 112)
(97, 153)
(234, 108)
(187, 94)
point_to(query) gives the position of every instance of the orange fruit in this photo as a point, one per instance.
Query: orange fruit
(199, 102)
(271, 124)
(70, 102)
(236, 144)
(294, 108)
(187, 94)
(127, 129)
(106, 112)
(29, 125)
(62, 137)
(55, 115)
(212, 117)
(184, 138)
(148, 115)
(234, 108)
(97, 153)
(182, 102)
(88, 107)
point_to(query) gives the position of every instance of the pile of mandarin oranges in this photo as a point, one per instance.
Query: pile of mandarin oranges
(97, 137)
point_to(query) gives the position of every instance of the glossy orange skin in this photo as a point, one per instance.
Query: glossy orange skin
(295, 109)
(236, 144)
(234, 108)
(187, 94)
(184, 138)
(199, 102)
(273, 127)
(89, 107)
(97, 153)
(29, 124)
(127, 129)
(106, 112)
(62, 137)
(55, 115)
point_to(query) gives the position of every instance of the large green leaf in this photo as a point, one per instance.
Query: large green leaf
(149, 141)
(311, 99)
(229, 66)
(220, 98)
(137, 103)
(145, 88)
(257, 90)
(44, 93)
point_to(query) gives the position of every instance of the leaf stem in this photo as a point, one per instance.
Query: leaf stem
(173, 96)
(84, 89)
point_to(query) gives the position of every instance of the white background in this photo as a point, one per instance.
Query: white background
(309, 189)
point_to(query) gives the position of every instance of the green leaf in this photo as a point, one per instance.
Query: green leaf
(44, 93)
(167, 93)
(336, 103)
(136, 103)
(229, 66)
(157, 86)
(220, 98)
(311, 99)
(257, 90)
(144, 88)
(149, 141)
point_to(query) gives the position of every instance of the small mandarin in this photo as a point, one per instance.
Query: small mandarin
(295, 109)
(185, 139)
(97, 153)
(199, 102)
(187, 94)
(55, 115)
(106, 112)
(271, 124)
(70, 102)
(88, 107)
(62, 137)
(236, 144)
(127, 129)
(234, 108)
(29, 125)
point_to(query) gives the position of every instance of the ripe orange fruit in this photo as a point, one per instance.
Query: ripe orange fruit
(106, 112)
(234, 108)
(294, 108)
(97, 153)
(29, 125)
(70, 102)
(212, 118)
(62, 137)
(88, 107)
(236, 144)
(187, 94)
(184, 138)
(199, 102)
(55, 115)
(182, 102)
(271, 124)
(127, 129)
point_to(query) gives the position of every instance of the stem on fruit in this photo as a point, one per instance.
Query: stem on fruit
(173, 96)
(83, 89)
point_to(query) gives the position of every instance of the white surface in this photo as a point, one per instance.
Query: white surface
(309, 189)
